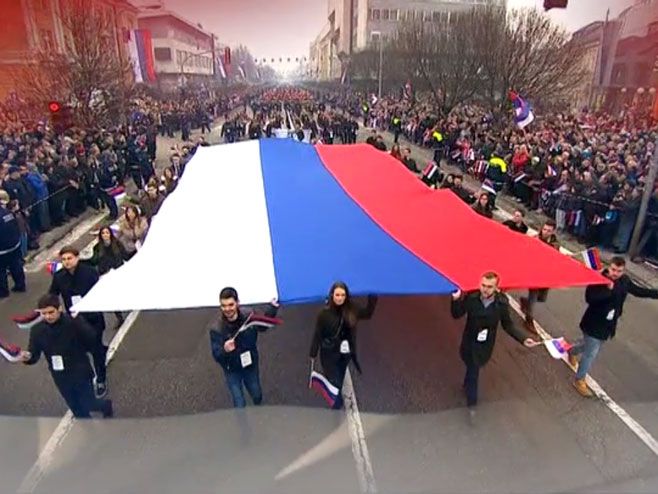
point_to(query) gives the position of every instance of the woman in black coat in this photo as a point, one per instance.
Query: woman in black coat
(109, 254)
(335, 334)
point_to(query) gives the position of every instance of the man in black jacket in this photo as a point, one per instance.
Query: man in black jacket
(10, 251)
(73, 282)
(605, 304)
(237, 351)
(65, 343)
(484, 310)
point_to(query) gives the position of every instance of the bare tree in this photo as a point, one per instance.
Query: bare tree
(89, 72)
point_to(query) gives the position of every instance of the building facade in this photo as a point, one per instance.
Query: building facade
(352, 25)
(36, 26)
(183, 51)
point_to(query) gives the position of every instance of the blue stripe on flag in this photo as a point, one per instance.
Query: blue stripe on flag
(320, 235)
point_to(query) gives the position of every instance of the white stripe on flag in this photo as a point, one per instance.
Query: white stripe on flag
(212, 231)
(134, 56)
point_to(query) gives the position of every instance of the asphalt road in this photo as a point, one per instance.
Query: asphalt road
(175, 429)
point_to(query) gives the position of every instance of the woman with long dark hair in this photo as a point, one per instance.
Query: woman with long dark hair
(109, 254)
(335, 334)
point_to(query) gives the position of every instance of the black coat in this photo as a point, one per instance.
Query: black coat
(71, 339)
(106, 259)
(480, 318)
(605, 306)
(331, 329)
(77, 284)
(10, 235)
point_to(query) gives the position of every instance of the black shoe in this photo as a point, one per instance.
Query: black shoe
(19, 289)
(4, 295)
(108, 410)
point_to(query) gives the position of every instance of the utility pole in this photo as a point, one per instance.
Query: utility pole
(646, 197)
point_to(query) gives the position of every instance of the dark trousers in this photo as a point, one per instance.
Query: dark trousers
(110, 202)
(471, 380)
(136, 175)
(334, 367)
(244, 378)
(78, 392)
(13, 263)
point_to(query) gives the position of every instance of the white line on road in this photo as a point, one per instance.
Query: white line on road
(39, 261)
(358, 436)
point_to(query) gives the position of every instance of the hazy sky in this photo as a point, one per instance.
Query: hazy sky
(282, 28)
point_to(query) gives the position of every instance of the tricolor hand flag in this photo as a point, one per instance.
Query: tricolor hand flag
(53, 267)
(430, 170)
(10, 352)
(489, 186)
(27, 321)
(322, 385)
(258, 320)
(558, 347)
(522, 110)
(592, 258)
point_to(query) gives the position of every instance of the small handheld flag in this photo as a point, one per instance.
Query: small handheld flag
(522, 110)
(262, 321)
(488, 185)
(558, 347)
(53, 267)
(321, 384)
(27, 321)
(430, 170)
(10, 352)
(592, 258)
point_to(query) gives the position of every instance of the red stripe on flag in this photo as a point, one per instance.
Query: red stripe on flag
(461, 245)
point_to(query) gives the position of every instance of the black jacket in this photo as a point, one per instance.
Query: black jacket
(77, 284)
(10, 235)
(246, 341)
(480, 318)
(605, 306)
(522, 228)
(108, 258)
(331, 328)
(71, 339)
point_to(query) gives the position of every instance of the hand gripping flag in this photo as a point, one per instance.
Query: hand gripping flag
(27, 321)
(558, 347)
(321, 385)
(522, 111)
(10, 352)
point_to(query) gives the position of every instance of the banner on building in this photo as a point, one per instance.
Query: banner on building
(140, 48)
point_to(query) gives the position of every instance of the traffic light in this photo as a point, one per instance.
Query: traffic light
(555, 4)
(61, 117)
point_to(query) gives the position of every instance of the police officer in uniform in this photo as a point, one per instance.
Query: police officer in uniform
(10, 250)
(65, 343)
(73, 282)
(396, 125)
(484, 310)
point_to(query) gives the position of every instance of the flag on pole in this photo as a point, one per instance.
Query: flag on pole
(373, 99)
(321, 385)
(592, 258)
(220, 66)
(488, 185)
(10, 352)
(430, 170)
(522, 110)
(558, 347)
(259, 320)
(27, 321)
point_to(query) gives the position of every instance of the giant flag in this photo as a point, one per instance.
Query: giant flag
(279, 218)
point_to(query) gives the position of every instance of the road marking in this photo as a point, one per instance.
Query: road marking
(358, 436)
(41, 259)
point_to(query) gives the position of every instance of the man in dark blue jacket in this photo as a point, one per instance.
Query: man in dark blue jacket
(605, 304)
(236, 351)
(10, 252)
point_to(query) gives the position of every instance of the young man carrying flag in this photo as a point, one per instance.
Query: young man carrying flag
(234, 346)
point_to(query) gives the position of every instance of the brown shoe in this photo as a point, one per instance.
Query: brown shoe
(574, 360)
(530, 324)
(581, 387)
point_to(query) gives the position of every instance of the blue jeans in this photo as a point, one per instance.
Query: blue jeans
(589, 347)
(251, 380)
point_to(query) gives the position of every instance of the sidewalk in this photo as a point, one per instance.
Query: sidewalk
(506, 206)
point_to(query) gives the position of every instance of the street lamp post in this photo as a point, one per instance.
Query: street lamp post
(381, 63)
(646, 197)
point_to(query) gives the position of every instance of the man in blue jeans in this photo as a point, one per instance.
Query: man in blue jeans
(605, 304)
(237, 351)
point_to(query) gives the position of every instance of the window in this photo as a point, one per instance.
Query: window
(394, 14)
(375, 14)
(162, 54)
(385, 14)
